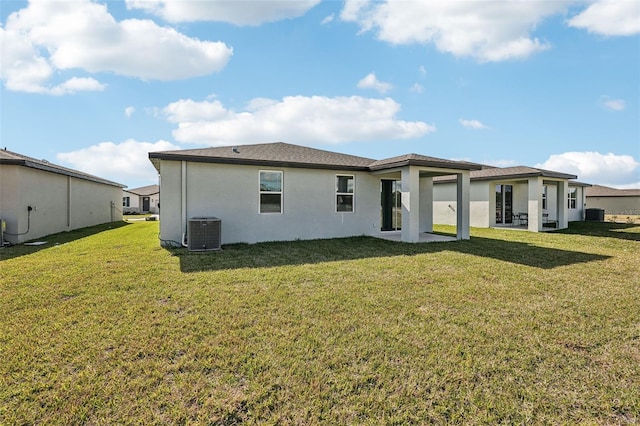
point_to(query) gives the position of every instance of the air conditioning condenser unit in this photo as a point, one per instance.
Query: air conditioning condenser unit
(204, 233)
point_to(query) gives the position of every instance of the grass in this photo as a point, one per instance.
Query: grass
(103, 326)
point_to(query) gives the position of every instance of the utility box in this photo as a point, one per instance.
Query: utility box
(204, 233)
(595, 215)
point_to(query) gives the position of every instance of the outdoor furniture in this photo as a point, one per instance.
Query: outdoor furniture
(523, 219)
(546, 223)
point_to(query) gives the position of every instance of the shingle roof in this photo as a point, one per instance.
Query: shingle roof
(576, 183)
(272, 154)
(421, 160)
(145, 190)
(15, 159)
(517, 172)
(605, 191)
(287, 155)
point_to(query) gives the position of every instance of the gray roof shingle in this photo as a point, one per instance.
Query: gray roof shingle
(15, 159)
(287, 155)
(517, 172)
(145, 190)
(605, 191)
(421, 160)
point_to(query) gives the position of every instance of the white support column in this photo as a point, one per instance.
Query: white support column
(562, 203)
(534, 209)
(426, 204)
(463, 200)
(410, 205)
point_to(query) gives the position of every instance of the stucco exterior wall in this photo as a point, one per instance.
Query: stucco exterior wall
(231, 193)
(136, 202)
(578, 214)
(445, 205)
(59, 203)
(154, 201)
(483, 202)
(615, 205)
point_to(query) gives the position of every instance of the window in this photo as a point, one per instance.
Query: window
(573, 194)
(544, 197)
(126, 202)
(344, 193)
(270, 191)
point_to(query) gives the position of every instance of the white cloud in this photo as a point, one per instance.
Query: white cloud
(48, 36)
(370, 81)
(614, 104)
(486, 31)
(610, 18)
(423, 71)
(472, 124)
(128, 111)
(417, 88)
(501, 163)
(295, 119)
(124, 163)
(234, 12)
(635, 185)
(328, 19)
(592, 167)
(77, 84)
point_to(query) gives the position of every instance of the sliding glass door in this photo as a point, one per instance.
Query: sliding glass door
(391, 203)
(504, 204)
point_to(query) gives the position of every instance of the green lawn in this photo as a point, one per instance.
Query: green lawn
(103, 326)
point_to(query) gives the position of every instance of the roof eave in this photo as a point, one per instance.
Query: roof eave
(53, 169)
(435, 164)
(249, 162)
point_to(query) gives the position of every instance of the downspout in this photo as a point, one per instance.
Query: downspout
(183, 199)
(68, 201)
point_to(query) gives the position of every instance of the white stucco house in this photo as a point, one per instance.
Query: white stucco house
(39, 198)
(279, 191)
(522, 197)
(145, 199)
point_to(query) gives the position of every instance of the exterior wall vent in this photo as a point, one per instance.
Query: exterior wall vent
(204, 233)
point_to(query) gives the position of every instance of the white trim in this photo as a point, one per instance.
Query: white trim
(351, 194)
(281, 192)
(572, 191)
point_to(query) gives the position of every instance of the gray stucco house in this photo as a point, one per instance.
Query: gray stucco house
(145, 199)
(614, 201)
(279, 191)
(521, 196)
(39, 198)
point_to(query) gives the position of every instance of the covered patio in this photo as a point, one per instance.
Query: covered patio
(536, 204)
(407, 191)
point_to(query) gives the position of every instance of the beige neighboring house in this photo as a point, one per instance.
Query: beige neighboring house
(39, 198)
(614, 201)
(514, 197)
(145, 199)
(279, 191)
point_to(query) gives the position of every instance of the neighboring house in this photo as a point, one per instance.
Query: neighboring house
(145, 199)
(614, 201)
(39, 198)
(523, 197)
(279, 191)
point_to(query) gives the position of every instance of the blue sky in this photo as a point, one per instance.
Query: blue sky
(97, 85)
